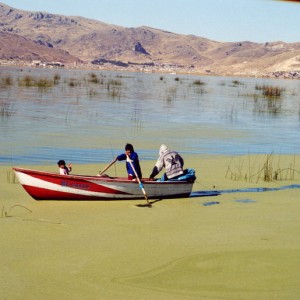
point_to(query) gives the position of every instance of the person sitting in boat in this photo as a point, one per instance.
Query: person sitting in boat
(133, 156)
(63, 169)
(171, 161)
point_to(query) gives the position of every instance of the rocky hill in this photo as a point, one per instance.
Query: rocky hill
(52, 37)
(18, 48)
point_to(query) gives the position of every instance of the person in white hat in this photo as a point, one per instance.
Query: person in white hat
(171, 161)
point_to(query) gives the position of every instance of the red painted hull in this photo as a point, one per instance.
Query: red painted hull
(52, 186)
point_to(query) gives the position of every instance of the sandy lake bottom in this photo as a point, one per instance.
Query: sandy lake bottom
(242, 245)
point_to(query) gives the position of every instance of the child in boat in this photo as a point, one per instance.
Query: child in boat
(133, 156)
(63, 169)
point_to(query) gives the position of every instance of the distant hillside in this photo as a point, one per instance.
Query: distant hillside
(94, 41)
(18, 48)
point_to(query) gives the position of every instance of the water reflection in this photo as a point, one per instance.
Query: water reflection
(88, 116)
(272, 106)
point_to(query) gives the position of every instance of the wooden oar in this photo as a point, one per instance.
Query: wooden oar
(108, 166)
(139, 181)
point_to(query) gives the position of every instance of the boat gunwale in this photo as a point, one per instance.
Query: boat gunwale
(99, 178)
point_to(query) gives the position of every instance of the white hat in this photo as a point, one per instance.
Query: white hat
(163, 148)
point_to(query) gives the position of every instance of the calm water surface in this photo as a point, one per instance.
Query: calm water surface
(88, 116)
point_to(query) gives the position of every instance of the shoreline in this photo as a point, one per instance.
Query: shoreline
(290, 74)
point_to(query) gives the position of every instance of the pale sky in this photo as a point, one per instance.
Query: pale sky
(220, 20)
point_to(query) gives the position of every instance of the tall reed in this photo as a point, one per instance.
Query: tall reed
(253, 171)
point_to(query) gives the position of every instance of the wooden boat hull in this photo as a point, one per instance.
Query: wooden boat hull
(52, 186)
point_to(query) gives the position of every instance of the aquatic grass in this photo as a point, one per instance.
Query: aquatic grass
(250, 95)
(123, 76)
(231, 115)
(29, 81)
(236, 83)
(11, 177)
(6, 109)
(6, 214)
(73, 82)
(94, 79)
(6, 81)
(198, 82)
(115, 82)
(255, 172)
(44, 83)
(267, 169)
(269, 91)
(114, 93)
(68, 114)
(92, 93)
(171, 94)
(199, 90)
(136, 118)
(270, 105)
(269, 173)
(26, 81)
(56, 79)
(236, 173)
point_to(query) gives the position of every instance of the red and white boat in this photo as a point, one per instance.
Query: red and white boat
(42, 185)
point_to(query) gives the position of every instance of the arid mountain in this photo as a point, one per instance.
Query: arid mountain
(94, 41)
(18, 48)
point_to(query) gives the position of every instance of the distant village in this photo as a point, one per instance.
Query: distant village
(38, 63)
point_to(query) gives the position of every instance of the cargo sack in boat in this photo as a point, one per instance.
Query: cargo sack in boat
(188, 175)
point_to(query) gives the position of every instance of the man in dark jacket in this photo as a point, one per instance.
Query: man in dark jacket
(133, 156)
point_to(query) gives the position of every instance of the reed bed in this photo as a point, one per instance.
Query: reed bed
(237, 83)
(29, 81)
(11, 177)
(270, 91)
(6, 81)
(198, 82)
(93, 78)
(255, 171)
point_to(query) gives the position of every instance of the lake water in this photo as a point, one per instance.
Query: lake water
(88, 116)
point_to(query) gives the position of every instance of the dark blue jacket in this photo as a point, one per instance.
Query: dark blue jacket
(135, 162)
